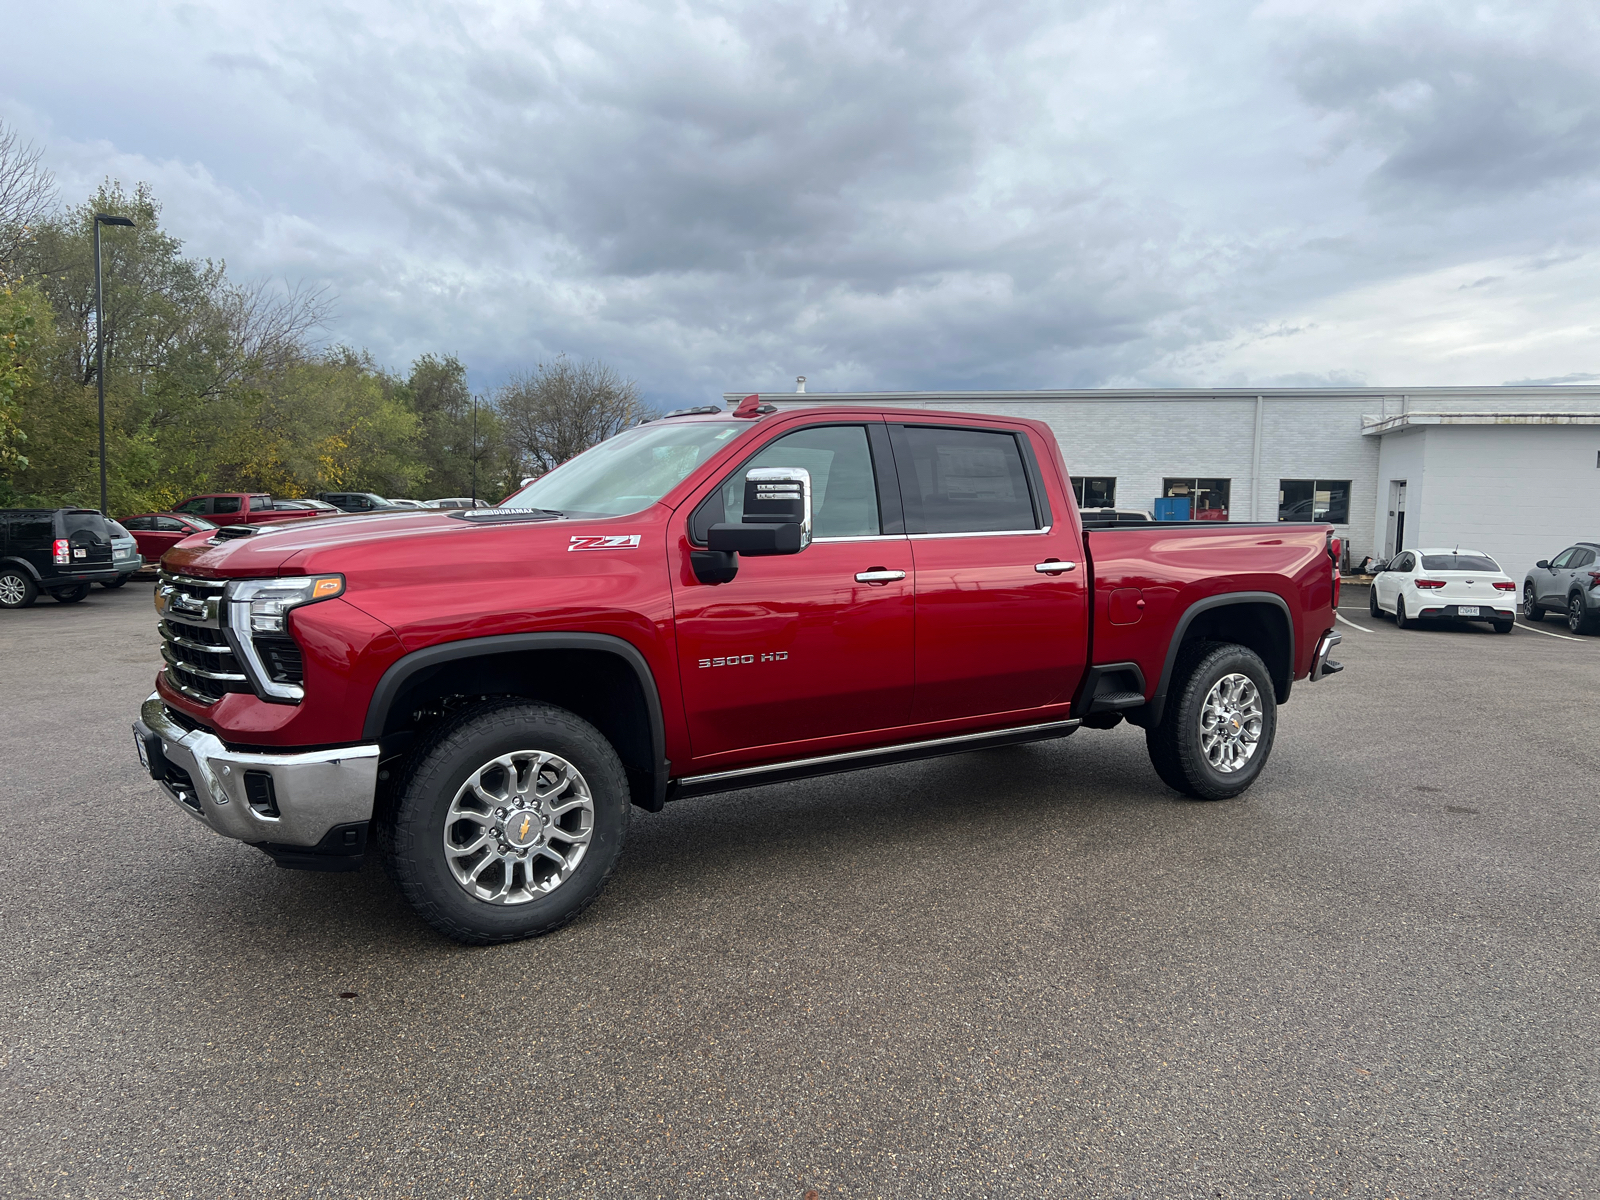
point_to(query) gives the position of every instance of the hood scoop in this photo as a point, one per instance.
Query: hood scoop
(229, 532)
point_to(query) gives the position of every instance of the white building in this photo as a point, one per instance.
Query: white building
(1512, 471)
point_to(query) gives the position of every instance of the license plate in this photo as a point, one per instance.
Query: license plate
(144, 751)
(1466, 610)
(80, 554)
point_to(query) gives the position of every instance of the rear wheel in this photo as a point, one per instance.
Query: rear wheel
(1504, 626)
(1221, 716)
(71, 595)
(1372, 603)
(1579, 618)
(16, 588)
(1400, 619)
(509, 820)
(114, 583)
(1530, 607)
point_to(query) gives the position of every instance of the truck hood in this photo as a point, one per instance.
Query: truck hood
(269, 549)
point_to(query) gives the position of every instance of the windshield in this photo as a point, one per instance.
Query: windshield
(628, 473)
(1459, 562)
(198, 522)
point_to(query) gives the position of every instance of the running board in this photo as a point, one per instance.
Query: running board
(851, 760)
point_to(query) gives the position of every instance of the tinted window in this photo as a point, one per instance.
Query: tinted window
(82, 526)
(142, 524)
(1582, 558)
(170, 525)
(844, 494)
(1095, 491)
(197, 505)
(963, 481)
(32, 530)
(1564, 559)
(1459, 562)
(225, 504)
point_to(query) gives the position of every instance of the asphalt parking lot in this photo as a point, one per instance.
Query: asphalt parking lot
(1029, 972)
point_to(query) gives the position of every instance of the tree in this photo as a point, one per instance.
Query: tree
(455, 435)
(562, 408)
(25, 331)
(27, 192)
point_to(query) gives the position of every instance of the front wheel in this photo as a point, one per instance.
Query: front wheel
(114, 583)
(16, 588)
(1217, 729)
(71, 595)
(1530, 607)
(509, 820)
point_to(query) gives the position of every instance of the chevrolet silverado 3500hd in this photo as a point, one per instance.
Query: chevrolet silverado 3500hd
(705, 602)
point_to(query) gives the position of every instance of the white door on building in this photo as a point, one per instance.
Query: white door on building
(1395, 539)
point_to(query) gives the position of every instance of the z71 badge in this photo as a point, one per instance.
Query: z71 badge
(605, 541)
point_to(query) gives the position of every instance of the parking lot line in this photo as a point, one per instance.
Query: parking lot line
(1564, 637)
(1352, 624)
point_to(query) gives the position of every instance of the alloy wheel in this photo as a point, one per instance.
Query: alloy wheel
(12, 590)
(518, 827)
(1230, 723)
(1575, 614)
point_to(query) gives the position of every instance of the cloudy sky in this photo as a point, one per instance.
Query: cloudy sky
(936, 193)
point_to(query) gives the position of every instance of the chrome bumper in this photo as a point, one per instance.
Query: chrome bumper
(1323, 665)
(312, 791)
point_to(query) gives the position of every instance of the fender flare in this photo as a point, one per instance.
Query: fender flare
(402, 669)
(25, 565)
(1158, 702)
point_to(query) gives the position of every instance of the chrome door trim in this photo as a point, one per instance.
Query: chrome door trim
(984, 533)
(720, 781)
(862, 537)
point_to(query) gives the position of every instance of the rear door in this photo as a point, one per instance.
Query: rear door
(1002, 606)
(801, 647)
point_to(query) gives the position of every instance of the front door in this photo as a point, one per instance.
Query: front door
(800, 647)
(1552, 584)
(1001, 586)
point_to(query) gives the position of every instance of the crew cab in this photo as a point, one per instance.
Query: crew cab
(241, 508)
(702, 603)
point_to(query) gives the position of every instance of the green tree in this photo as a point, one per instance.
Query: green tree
(25, 334)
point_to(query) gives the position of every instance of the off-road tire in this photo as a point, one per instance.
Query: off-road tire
(1530, 608)
(1174, 743)
(17, 589)
(411, 828)
(71, 595)
(1579, 618)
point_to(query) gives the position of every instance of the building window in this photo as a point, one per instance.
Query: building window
(1208, 498)
(1314, 500)
(1095, 493)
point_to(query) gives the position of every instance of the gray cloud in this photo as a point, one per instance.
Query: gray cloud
(724, 195)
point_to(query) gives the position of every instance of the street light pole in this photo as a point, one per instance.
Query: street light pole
(474, 451)
(100, 345)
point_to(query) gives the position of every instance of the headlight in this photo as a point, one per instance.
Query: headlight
(262, 605)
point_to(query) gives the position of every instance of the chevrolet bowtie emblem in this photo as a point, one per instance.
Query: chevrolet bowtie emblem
(523, 832)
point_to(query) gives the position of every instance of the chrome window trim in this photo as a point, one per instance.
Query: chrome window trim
(863, 537)
(985, 533)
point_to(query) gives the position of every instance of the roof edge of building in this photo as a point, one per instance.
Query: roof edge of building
(1377, 426)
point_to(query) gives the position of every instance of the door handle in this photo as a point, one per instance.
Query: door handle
(879, 575)
(1054, 567)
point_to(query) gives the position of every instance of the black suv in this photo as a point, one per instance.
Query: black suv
(356, 501)
(57, 550)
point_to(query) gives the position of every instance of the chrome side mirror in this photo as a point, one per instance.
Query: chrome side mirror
(777, 520)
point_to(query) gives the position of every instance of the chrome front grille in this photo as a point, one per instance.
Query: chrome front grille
(200, 663)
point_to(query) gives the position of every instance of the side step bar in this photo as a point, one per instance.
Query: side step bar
(850, 760)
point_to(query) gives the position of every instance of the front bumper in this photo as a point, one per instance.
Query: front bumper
(295, 799)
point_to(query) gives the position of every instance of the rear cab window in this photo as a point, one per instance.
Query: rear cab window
(963, 480)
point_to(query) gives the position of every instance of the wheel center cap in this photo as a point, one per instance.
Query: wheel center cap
(524, 827)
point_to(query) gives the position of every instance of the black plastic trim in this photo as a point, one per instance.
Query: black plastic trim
(1090, 698)
(342, 848)
(1158, 702)
(394, 679)
(854, 760)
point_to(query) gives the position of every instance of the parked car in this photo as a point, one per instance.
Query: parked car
(124, 555)
(356, 501)
(1569, 584)
(453, 502)
(156, 533)
(1113, 516)
(700, 604)
(1443, 584)
(63, 551)
(240, 508)
(302, 505)
(393, 503)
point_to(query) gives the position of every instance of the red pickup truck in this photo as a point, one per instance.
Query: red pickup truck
(240, 508)
(705, 602)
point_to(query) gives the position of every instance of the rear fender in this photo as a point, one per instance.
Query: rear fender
(1263, 623)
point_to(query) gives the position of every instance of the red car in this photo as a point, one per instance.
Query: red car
(705, 602)
(241, 508)
(156, 533)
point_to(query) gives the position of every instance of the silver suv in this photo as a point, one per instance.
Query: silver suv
(1568, 583)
